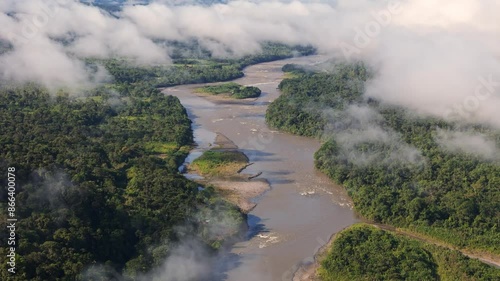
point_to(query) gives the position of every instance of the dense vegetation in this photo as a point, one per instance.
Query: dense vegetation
(182, 72)
(299, 108)
(451, 196)
(363, 252)
(231, 89)
(367, 253)
(98, 181)
(399, 174)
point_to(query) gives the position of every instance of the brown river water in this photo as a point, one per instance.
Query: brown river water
(303, 208)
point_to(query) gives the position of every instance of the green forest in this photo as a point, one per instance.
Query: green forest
(363, 252)
(98, 182)
(98, 186)
(299, 108)
(448, 195)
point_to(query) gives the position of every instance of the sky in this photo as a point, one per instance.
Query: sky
(439, 58)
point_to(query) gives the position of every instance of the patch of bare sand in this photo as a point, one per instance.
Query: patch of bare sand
(241, 192)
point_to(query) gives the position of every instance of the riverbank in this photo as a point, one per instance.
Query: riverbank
(309, 272)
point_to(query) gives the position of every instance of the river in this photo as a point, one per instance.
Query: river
(303, 208)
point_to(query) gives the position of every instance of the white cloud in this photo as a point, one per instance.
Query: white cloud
(429, 55)
(467, 142)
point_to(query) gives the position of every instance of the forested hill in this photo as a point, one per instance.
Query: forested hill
(395, 165)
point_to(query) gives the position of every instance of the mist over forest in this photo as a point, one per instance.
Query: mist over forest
(450, 45)
(404, 99)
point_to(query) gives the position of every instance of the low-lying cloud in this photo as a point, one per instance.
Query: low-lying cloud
(468, 142)
(360, 126)
(438, 58)
(429, 56)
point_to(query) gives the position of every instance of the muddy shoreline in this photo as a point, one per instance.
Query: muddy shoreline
(309, 271)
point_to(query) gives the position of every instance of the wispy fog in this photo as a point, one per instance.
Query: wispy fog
(437, 57)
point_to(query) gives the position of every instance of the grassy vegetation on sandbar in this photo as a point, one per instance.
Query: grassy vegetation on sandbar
(231, 89)
(219, 163)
